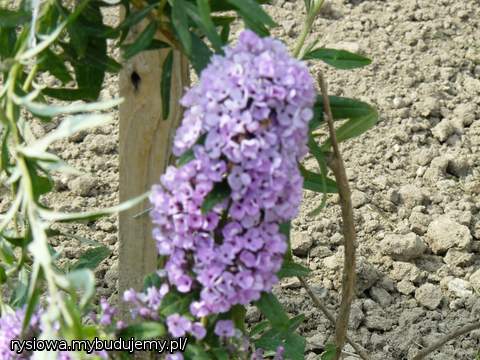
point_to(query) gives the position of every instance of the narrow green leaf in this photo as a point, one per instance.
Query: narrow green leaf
(91, 215)
(259, 328)
(54, 64)
(344, 108)
(253, 11)
(10, 18)
(353, 128)
(295, 322)
(290, 269)
(166, 84)
(135, 17)
(340, 59)
(51, 110)
(3, 275)
(313, 182)
(201, 16)
(271, 308)
(143, 331)
(219, 193)
(221, 354)
(83, 280)
(294, 346)
(91, 258)
(141, 43)
(201, 54)
(180, 24)
(152, 280)
(329, 353)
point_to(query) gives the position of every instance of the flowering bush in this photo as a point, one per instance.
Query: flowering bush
(221, 214)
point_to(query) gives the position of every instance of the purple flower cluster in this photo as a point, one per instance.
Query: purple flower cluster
(247, 122)
(146, 304)
(10, 329)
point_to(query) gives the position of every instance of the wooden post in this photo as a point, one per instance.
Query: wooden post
(145, 145)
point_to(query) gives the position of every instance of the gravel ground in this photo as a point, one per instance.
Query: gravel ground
(415, 179)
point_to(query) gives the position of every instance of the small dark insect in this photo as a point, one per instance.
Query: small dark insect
(135, 79)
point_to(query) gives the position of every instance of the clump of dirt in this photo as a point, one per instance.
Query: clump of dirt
(415, 179)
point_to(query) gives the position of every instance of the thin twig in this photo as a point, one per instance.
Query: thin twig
(462, 331)
(318, 303)
(348, 281)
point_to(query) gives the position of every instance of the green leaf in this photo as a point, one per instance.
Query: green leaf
(218, 194)
(295, 322)
(83, 280)
(9, 19)
(270, 340)
(54, 64)
(45, 43)
(201, 16)
(294, 346)
(135, 17)
(221, 354)
(91, 215)
(166, 84)
(91, 258)
(3, 275)
(259, 328)
(329, 353)
(143, 331)
(180, 24)
(173, 303)
(252, 11)
(271, 308)
(68, 94)
(195, 352)
(185, 158)
(141, 43)
(290, 269)
(313, 182)
(152, 280)
(353, 128)
(340, 59)
(343, 108)
(51, 110)
(201, 54)
(8, 37)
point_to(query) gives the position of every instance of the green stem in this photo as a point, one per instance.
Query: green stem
(307, 27)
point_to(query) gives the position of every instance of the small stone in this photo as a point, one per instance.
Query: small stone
(82, 185)
(460, 287)
(301, 243)
(437, 169)
(475, 280)
(359, 198)
(378, 322)
(317, 341)
(403, 247)
(356, 315)
(406, 271)
(444, 233)
(465, 114)
(457, 258)
(458, 166)
(253, 314)
(100, 144)
(381, 296)
(419, 221)
(411, 196)
(443, 130)
(321, 252)
(429, 296)
(405, 287)
(111, 276)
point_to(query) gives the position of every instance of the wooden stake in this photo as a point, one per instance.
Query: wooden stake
(145, 144)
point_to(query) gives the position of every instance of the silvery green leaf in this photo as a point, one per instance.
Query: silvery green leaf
(47, 41)
(41, 109)
(84, 280)
(7, 218)
(91, 215)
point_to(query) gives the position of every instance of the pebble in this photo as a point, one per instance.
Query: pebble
(301, 243)
(100, 144)
(410, 195)
(444, 233)
(359, 198)
(443, 130)
(381, 296)
(457, 258)
(83, 185)
(429, 296)
(460, 287)
(475, 280)
(405, 287)
(403, 247)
